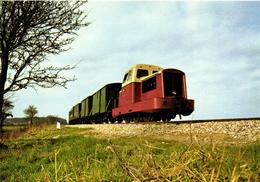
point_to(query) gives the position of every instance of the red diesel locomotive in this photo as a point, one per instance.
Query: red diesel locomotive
(148, 93)
(152, 93)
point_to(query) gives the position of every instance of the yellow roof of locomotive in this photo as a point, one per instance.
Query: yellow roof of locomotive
(132, 72)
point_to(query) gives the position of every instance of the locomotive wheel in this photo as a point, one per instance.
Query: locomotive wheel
(119, 120)
(156, 117)
(166, 116)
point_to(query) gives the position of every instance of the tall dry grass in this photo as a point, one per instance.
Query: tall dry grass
(70, 154)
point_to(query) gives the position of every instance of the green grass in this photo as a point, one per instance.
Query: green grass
(70, 154)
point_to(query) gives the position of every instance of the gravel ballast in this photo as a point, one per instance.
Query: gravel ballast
(242, 131)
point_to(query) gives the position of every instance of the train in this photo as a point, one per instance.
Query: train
(147, 93)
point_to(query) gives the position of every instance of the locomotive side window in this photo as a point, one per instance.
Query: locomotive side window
(149, 84)
(154, 71)
(125, 77)
(141, 73)
(129, 76)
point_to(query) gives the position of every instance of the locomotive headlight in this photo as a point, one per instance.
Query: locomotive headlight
(174, 92)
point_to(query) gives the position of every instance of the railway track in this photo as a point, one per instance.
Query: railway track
(199, 121)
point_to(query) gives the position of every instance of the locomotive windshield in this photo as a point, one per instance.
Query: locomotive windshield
(141, 73)
(173, 84)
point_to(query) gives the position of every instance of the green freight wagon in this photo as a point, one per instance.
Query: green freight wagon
(105, 99)
(70, 115)
(74, 114)
(98, 107)
(76, 111)
(96, 103)
(86, 107)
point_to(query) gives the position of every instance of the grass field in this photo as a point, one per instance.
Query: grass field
(71, 154)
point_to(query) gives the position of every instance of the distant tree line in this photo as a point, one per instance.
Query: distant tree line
(51, 119)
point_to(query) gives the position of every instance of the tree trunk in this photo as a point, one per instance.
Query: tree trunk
(1, 127)
(31, 121)
(3, 76)
(2, 115)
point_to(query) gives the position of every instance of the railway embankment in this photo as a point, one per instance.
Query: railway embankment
(227, 132)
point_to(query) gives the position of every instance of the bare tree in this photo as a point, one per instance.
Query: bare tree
(30, 113)
(29, 31)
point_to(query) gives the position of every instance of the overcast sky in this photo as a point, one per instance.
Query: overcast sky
(217, 45)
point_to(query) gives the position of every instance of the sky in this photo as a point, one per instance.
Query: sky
(216, 44)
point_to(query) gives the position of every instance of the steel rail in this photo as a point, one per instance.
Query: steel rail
(198, 121)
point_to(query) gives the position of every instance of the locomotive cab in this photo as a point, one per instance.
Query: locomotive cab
(132, 83)
(139, 72)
